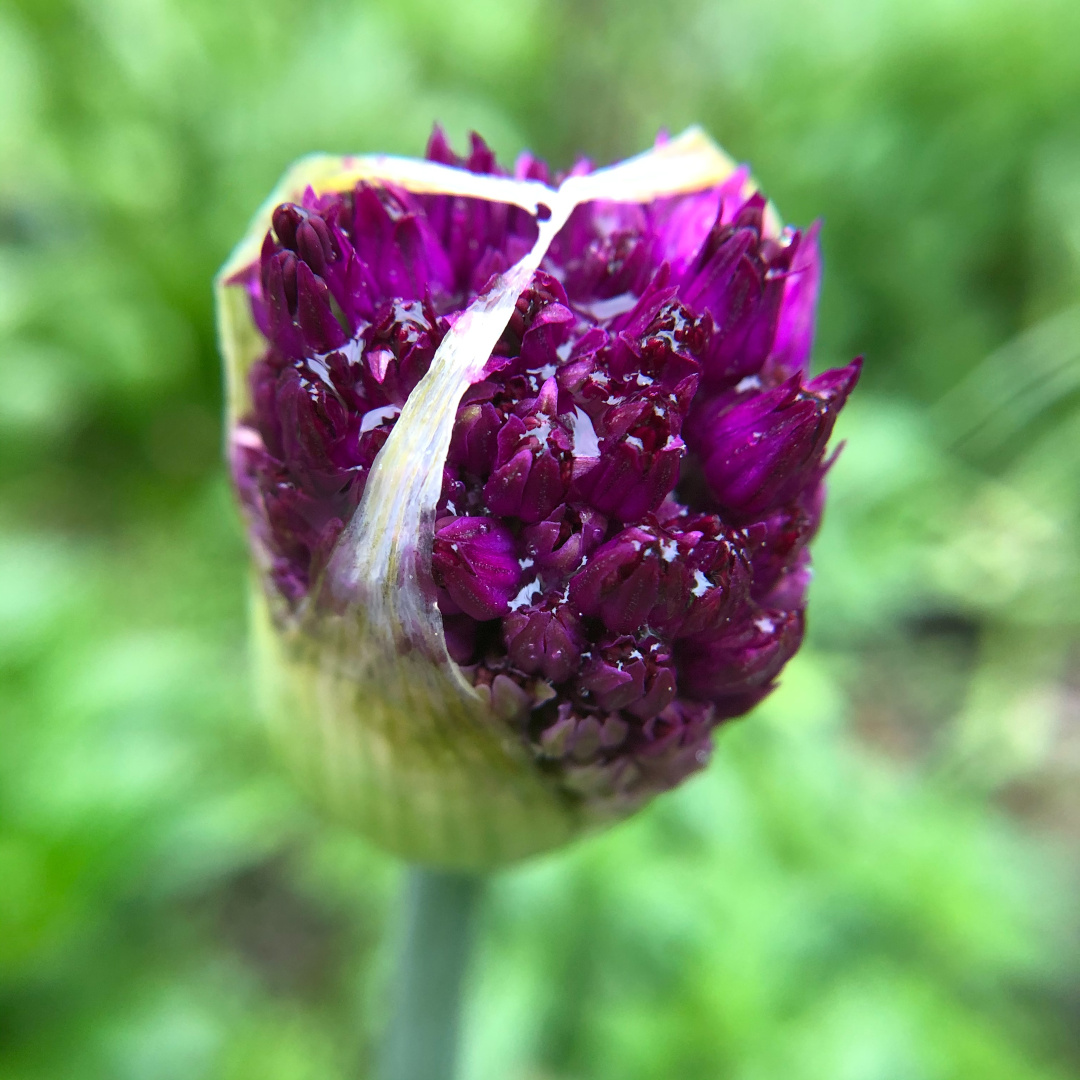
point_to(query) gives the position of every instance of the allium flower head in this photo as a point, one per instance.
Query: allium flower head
(530, 465)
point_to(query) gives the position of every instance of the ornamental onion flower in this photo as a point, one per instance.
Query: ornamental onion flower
(530, 465)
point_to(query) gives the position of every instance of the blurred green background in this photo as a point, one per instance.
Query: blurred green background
(876, 879)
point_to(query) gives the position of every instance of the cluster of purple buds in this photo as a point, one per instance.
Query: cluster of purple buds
(620, 547)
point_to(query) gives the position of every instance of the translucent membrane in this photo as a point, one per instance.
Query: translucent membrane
(382, 724)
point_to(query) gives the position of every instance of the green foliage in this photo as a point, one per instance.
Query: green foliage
(871, 880)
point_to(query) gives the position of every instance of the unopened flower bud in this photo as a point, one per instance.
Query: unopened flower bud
(530, 468)
(474, 562)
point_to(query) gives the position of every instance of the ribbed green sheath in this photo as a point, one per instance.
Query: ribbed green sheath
(400, 754)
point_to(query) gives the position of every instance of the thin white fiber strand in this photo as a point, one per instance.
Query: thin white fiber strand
(431, 177)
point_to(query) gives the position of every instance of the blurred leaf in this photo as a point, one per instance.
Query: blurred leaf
(870, 882)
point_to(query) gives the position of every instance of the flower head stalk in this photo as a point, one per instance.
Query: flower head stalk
(530, 468)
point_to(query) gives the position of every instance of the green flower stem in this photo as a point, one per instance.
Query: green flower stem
(439, 910)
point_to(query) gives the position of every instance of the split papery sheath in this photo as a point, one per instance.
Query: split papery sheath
(529, 469)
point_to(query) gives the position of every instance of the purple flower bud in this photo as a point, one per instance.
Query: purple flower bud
(744, 657)
(475, 567)
(398, 348)
(782, 550)
(533, 460)
(581, 738)
(545, 642)
(559, 544)
(540, 324)
(612, 263)
(681, 579)
(737, 280)
(395, 241)
(476, 430)
(636, 471)
(298, 314)
(530, 465)
(623, 673)
(679, 732)
(759, 451)
(620, 583)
